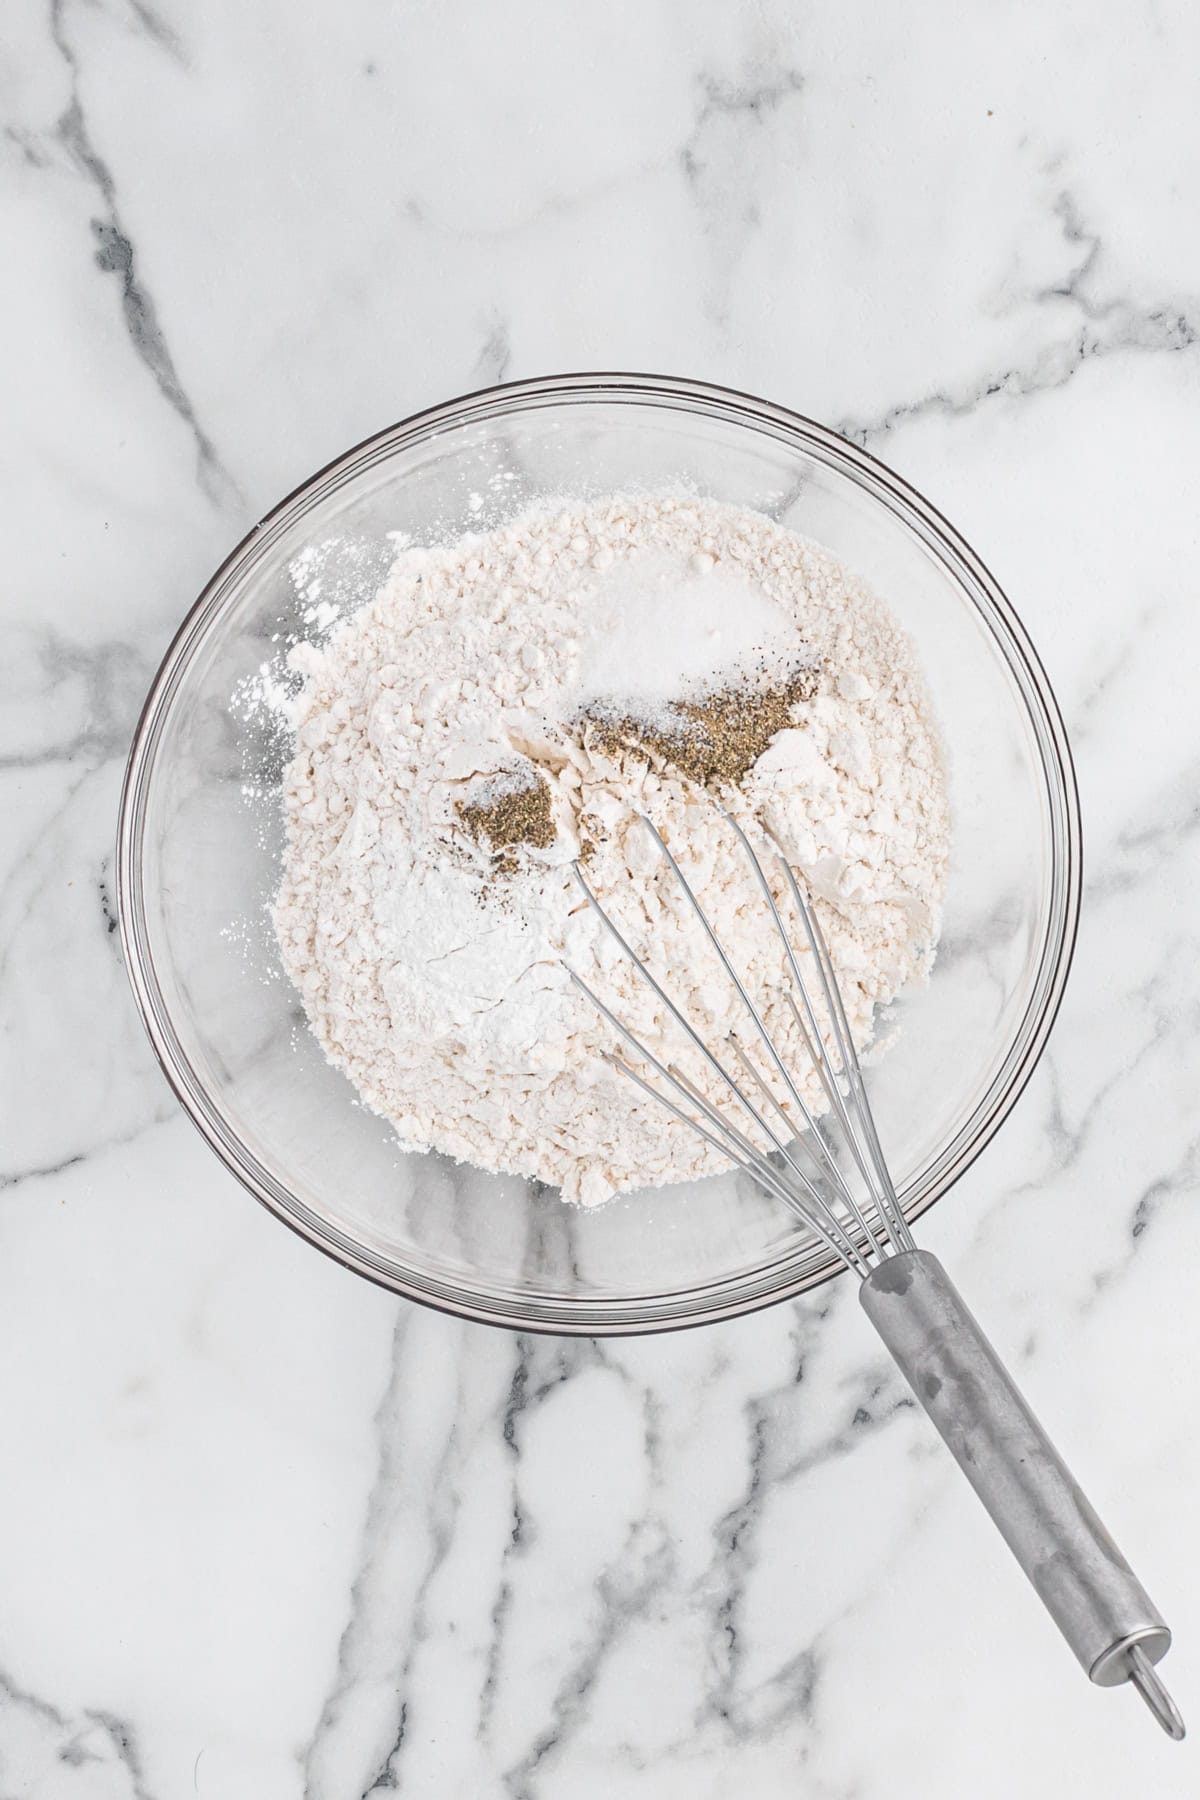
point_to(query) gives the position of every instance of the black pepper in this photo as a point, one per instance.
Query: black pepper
(714, 739)
(516, 817)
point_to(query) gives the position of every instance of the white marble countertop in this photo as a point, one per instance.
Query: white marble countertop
(266, 1532)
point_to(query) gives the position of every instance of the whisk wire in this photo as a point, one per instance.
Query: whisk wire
(726, 963)
(816, 1146)
(870, 1167)
(847, 1248)
(760, 1167)
(885, 1197)
(813, 1211)
(781, 1068)
(755, 1165)
(680, 1018)
(879, 1187)
(815, 1207)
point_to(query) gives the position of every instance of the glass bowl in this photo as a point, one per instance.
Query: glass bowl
(201, 831)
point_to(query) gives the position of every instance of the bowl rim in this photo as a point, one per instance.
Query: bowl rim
(599, 1318)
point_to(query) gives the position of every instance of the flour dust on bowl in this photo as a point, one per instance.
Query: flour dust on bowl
(202, 842)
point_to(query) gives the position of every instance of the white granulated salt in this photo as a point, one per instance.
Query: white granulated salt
(656, 626)
(429, 949)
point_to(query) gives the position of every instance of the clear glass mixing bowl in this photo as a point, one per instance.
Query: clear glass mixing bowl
(200, 836)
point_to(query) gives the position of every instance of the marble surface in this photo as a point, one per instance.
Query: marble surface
(265, 1532)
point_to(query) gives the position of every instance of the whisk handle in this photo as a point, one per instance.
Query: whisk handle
(1083, 1580)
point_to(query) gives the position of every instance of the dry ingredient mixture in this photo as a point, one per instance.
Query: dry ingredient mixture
(515, 702)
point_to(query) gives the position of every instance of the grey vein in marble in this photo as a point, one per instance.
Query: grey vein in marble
(721, 164)
(1108, 327)
(92, 1739)
(115, 254)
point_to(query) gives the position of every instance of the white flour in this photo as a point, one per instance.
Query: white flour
(431, 971)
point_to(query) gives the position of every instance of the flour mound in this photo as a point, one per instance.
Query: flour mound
(430, 958)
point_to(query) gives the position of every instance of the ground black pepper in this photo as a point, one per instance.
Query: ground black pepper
(716, 739)
(515, 817)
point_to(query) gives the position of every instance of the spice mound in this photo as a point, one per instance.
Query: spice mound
(509, 814)
(518, 701)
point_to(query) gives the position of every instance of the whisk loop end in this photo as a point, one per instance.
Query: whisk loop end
(1149, 1684)
(761, 1122)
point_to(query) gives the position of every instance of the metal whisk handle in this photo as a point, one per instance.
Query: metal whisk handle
(1083, 1580)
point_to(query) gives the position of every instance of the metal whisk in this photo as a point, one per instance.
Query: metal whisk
(1083, 1580)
